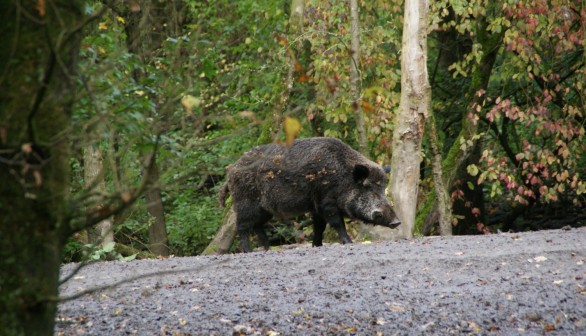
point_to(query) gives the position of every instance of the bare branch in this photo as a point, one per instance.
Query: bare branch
(131, 279)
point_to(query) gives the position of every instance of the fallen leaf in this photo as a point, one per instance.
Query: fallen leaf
(351, 329)
(549, 327)
(395, 307)
(540, 259)
(379, 321)
(558, 282)
(298, 312)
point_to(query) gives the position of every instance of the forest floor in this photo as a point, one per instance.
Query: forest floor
(501, 284)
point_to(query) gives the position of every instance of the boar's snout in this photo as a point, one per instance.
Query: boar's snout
(386, 218)
(396, 222)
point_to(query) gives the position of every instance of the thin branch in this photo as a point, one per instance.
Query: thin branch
(131, 279)
(76, 270)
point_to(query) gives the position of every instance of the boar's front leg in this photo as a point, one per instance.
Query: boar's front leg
(319, 226)
(333, 217)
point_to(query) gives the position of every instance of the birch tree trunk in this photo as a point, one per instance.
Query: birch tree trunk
(410, 122)
(103, 232)
(355, 77)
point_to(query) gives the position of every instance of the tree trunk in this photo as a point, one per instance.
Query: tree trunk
(223, 239)
(158, 242)
(442, 197)
(466, 142)
(355, 78)
(148, 24)
(103, 232)
(415, 102)
(37, 87)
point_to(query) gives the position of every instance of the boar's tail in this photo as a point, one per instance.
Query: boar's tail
(223, 195)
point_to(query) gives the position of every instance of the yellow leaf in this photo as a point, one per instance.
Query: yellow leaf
(121, 19)
(189, 102)
(472, 170)
(102, 26)
(38, 178)
(27, 148)
(292, 128)
(41, 8)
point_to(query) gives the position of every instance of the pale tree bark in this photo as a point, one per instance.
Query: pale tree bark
(296, 19)
(410, 122)
(355, 88)
(103, 232)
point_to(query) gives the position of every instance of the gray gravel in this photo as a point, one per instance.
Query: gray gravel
(501, 284)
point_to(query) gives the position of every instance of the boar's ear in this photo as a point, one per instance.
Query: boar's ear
(360, 173)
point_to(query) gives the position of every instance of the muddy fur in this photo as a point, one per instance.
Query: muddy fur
(320, 176)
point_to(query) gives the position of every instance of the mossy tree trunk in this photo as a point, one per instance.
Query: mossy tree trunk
(103, 232)
(466, 141)
(441, 192)
(222, 241)
(37, 91)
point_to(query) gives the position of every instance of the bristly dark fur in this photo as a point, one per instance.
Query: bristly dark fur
(320, 176)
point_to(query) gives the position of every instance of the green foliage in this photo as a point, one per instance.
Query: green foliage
(328, 31)
(192, 223)
(105, 252)
(217, 87)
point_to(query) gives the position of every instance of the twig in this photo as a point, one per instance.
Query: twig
(131, 279)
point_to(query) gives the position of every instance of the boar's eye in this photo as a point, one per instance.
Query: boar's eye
(360, 173)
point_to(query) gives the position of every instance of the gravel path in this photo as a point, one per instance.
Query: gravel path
(501, 284)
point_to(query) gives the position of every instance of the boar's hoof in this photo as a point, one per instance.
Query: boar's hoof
(345, 240)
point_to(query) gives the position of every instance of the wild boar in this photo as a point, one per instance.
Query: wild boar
(320, 176)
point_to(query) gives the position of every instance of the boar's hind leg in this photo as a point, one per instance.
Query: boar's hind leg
(252, 218)
(261, 234)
